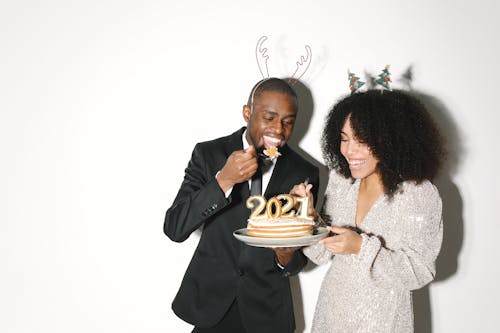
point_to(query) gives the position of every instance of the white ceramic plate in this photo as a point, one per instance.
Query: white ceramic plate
(319, 234)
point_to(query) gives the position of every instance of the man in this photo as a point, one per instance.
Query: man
(230, 286)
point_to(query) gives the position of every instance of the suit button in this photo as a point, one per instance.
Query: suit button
(240, 272)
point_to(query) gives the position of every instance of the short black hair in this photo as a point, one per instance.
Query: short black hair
(397, 128)
(272, 84)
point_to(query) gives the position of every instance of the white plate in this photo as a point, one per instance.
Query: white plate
(319, 234)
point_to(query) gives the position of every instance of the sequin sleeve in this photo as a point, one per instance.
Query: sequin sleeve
(317, 253)
(410, 264)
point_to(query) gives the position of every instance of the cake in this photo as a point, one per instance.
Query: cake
(275, 218)
(272, 152)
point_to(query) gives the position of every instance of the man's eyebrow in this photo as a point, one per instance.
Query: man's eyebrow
(274, 113)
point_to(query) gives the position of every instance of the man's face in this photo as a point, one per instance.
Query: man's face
(269, 120)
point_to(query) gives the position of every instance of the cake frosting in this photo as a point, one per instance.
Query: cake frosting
(271, 219)
(272, 152)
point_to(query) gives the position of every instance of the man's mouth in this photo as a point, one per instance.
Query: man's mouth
(271, 141)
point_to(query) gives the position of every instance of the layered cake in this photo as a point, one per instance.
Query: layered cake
(276, 218)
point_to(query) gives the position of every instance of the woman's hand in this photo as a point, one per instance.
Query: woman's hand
(345, 241)
(302, 190)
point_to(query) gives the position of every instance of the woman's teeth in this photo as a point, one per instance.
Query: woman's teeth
(357, 163)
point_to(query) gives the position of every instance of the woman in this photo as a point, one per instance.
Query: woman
(383, 150)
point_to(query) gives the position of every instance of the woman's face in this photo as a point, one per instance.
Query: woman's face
(361, 161)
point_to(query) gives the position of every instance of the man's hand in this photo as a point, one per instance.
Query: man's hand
(284, 254)
(240, 166)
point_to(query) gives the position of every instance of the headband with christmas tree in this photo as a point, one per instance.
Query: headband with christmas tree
(354, 82)
(383, 79)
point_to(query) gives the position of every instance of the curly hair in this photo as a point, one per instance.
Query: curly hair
(397, 128)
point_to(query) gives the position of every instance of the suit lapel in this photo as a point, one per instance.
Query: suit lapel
(240, 191)
(279, 176)
(234, 142)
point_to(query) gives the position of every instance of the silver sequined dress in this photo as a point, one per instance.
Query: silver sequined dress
(401, 238)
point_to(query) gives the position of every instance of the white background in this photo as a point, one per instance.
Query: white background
(101, 103)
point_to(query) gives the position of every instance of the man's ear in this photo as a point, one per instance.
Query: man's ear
(247, 111)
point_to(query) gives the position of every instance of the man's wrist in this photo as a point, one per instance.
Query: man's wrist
(278, 263)
(226, 188)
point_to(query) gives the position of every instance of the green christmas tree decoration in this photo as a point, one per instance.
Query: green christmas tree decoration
(354, 82)
(384, 78)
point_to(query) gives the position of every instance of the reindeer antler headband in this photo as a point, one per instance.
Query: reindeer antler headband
(301, 65)
(262, 57)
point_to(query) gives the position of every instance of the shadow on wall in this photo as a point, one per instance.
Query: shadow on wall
(453, 224)
(302, 123)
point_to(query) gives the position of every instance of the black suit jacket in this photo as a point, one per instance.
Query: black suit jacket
(222, 268)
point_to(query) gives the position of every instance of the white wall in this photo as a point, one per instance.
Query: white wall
(102, 101)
